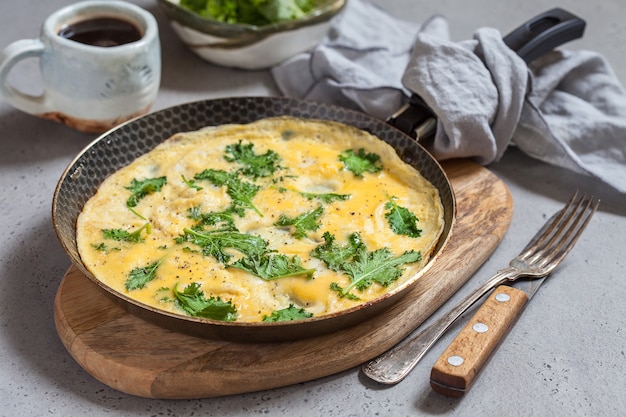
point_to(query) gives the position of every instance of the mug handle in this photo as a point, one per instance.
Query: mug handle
(12, 54)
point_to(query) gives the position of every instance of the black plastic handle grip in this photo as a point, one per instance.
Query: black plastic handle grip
(545, 32)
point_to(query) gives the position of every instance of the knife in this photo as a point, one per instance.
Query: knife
(459, 365)
(530, 40)
(457, 368)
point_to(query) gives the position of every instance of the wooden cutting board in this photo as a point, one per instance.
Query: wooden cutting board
(142, 359)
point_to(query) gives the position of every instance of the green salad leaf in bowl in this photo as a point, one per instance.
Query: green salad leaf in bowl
(251, 34)
(251, 12)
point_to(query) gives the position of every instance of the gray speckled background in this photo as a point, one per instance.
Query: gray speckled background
(564, 357)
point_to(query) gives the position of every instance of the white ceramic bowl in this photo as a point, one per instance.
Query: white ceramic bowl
(248, 46)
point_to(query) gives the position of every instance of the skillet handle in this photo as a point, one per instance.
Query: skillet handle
(537, 36)
(544, 32)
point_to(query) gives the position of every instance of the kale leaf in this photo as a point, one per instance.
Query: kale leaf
(273, 266)
(103, 247)
(401, 220)
(327, 198)
(217, 177)
(254, 165)
(191, 183)
(334, 255)
(224, 220)
(240, 192)
(360, 162)
(287, 314)
(140, 189)
(302, 223)
(192, 300)
(126, 236)
(377, 266)
(215, 243)
(363, 267)
(140, 276)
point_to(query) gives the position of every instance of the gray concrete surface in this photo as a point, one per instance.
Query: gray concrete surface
(564, 357)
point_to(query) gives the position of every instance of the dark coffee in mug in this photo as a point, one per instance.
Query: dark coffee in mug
(102, 31)
(89, 88)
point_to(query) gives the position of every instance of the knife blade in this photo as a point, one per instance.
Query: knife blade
(459, 365)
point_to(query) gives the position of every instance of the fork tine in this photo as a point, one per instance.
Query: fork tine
(565, 223)
(585, 209)
(547, 230)
(559, 234)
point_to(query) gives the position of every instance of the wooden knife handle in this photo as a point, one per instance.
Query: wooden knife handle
(457, 368)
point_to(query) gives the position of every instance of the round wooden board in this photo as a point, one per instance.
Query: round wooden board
(139, 358)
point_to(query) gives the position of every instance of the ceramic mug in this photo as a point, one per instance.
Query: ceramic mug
(100, 65)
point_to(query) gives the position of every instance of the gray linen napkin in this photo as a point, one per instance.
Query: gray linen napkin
(567, 109)
(359, 65)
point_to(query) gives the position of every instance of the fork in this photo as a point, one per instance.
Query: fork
(537, 260)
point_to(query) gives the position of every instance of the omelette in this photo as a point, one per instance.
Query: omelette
(280, 219)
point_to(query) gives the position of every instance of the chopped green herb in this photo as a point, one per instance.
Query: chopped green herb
(132, 210)
(287, 314)
(273, 266)
(254, 165)
(334, 255)
(401, 220)
(191, 183)
(103, 247)
(217, 177)
(337, 288)
(140, 189)
(224, 220)
(215, 243)
(302, 223)
(139, 277)
(240, 192)
(377, 266)
(282, 178)
(361, 266)
(192, 300)
(252, 12)
(327, 198)
(126, 236)
(360, 162)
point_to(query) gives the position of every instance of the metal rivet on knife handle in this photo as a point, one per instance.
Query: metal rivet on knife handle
(480, 327)
(476, 342)
(455, 360)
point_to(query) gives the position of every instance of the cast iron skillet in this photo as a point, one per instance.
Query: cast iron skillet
(118, 147)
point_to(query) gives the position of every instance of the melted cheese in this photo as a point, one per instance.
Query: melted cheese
(309, 153)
